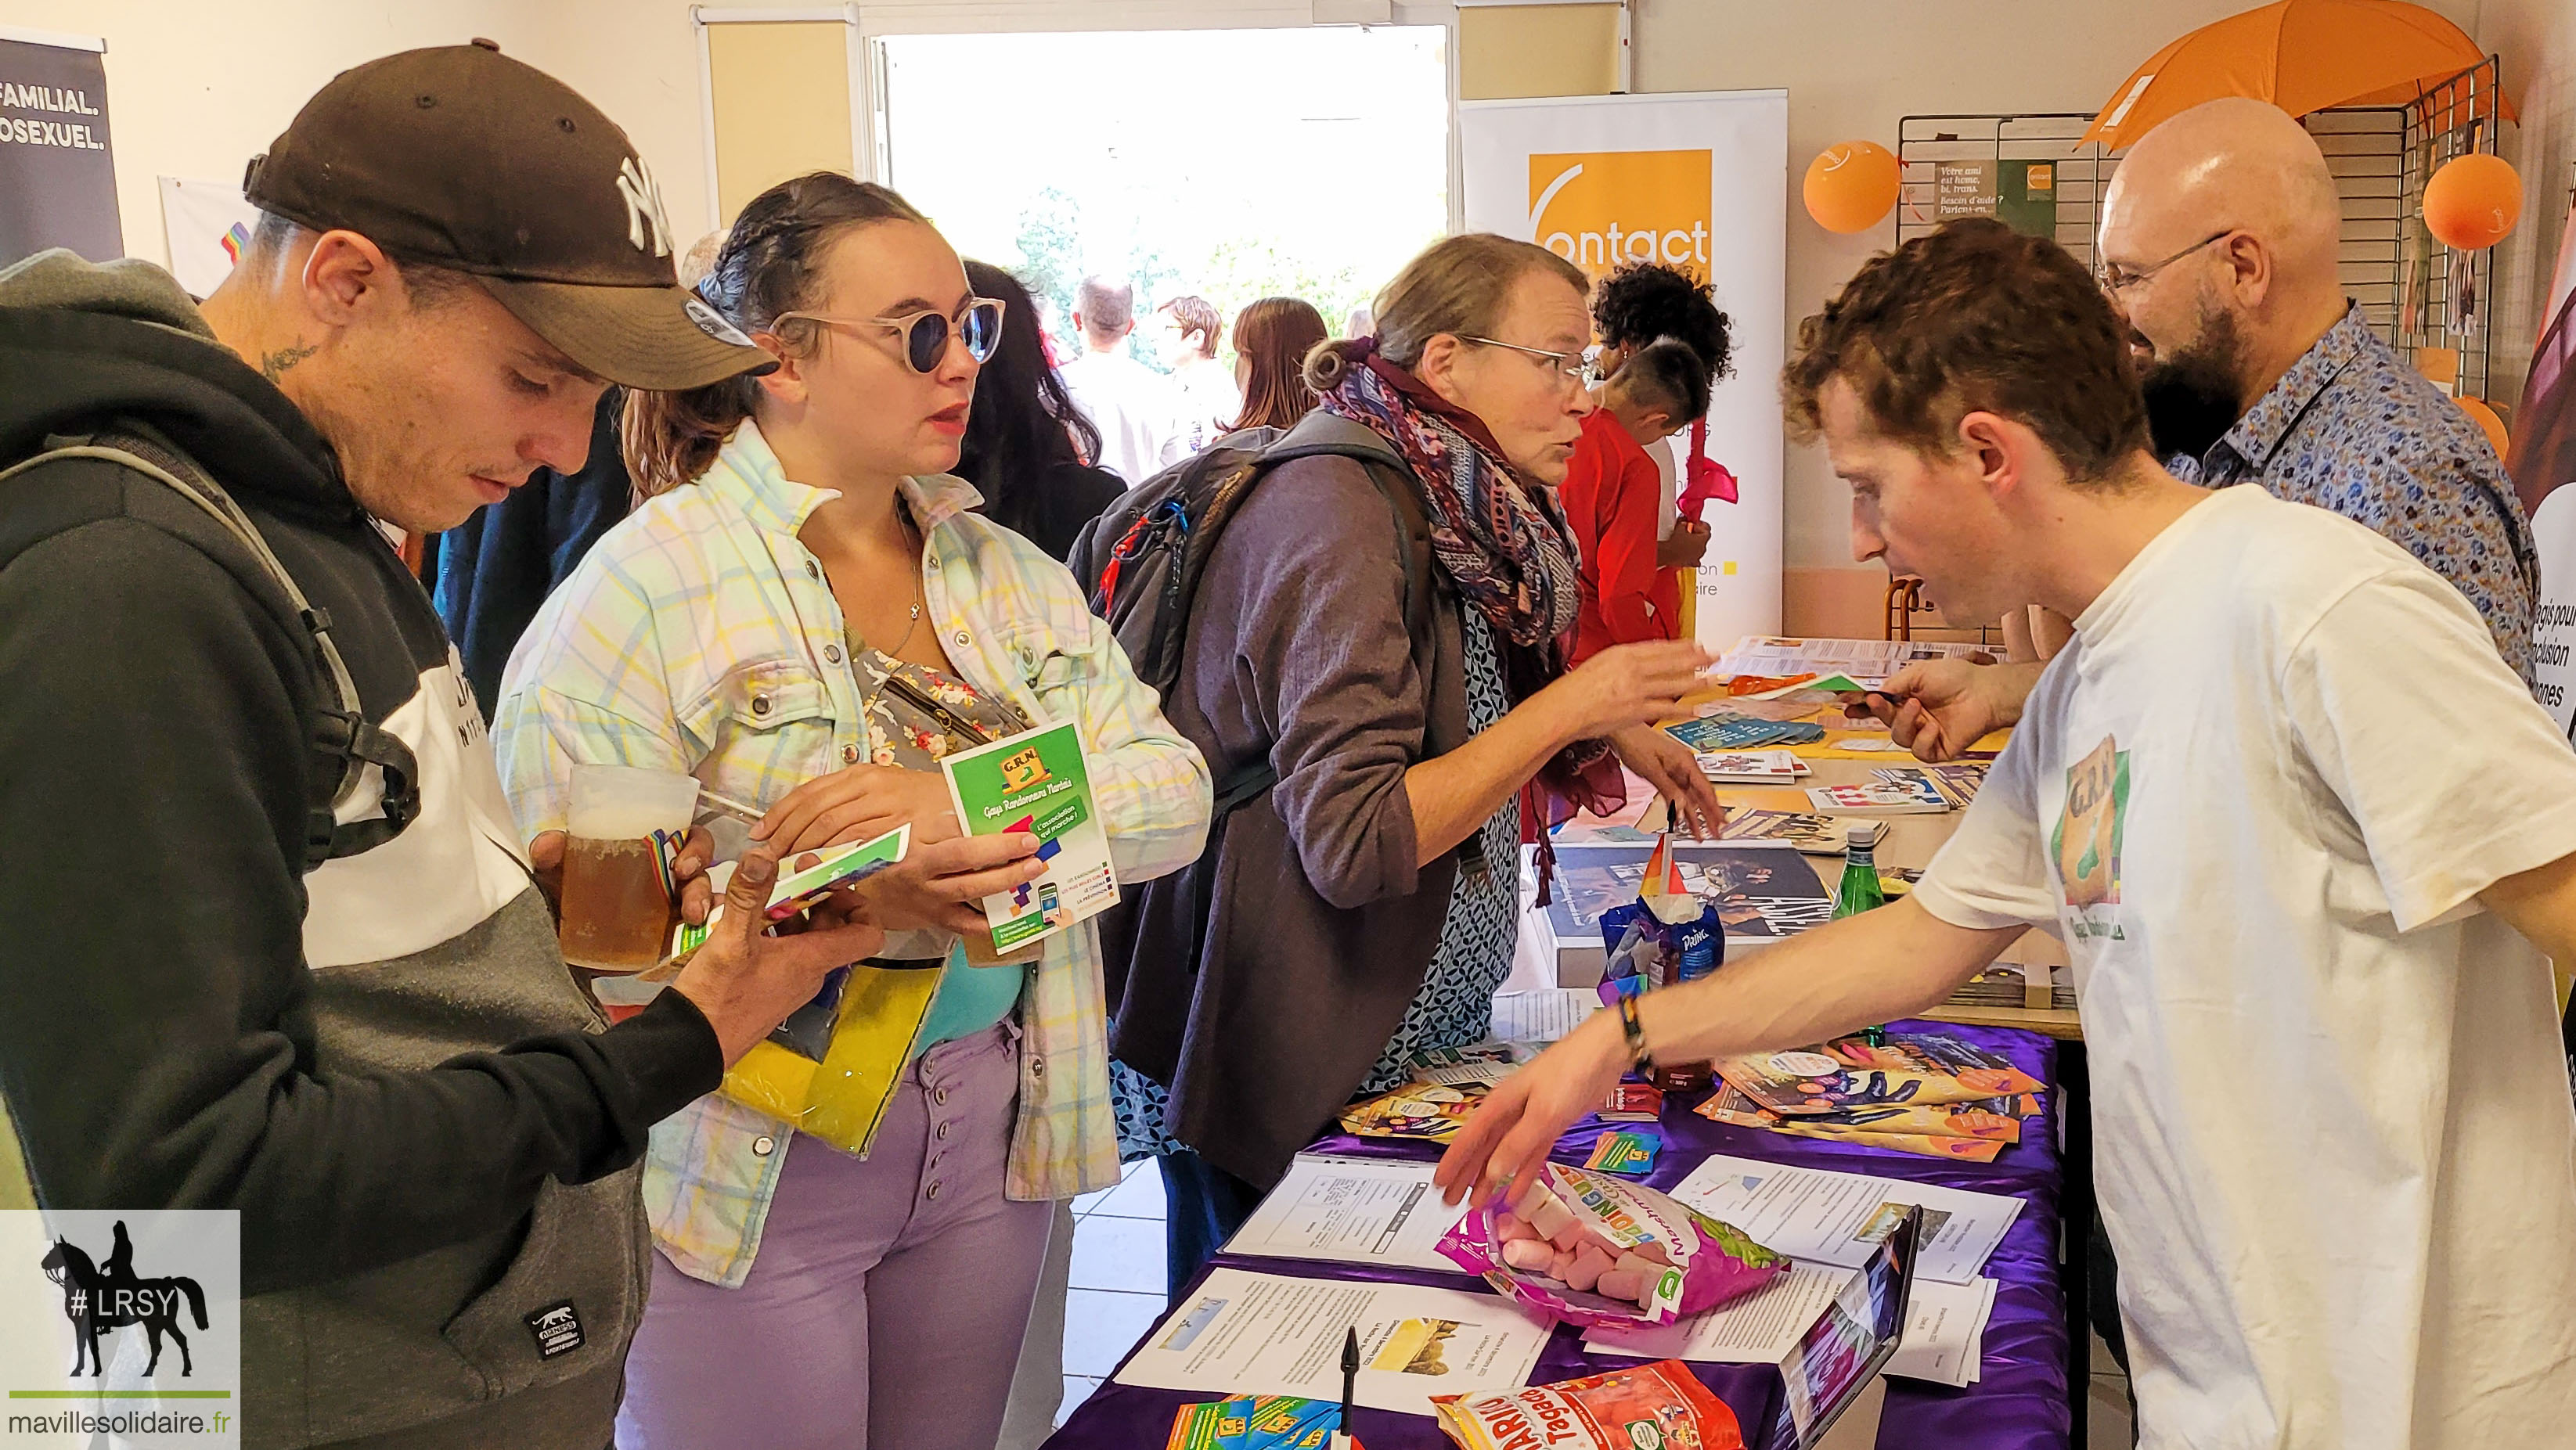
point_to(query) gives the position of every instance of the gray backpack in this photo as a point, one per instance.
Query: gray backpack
(342, 730)
(1140, 564)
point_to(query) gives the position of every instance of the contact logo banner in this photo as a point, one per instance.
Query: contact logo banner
(1694, 181)
(57, 175)
(120, 1328)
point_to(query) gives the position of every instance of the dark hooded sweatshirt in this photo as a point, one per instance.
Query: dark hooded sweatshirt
(383, 1064)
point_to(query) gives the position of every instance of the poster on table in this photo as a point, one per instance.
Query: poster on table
(2541, 457)
(1699, 182)
(208, 225)
(57, 176)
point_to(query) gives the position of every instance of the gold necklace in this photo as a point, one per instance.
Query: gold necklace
(921, 596)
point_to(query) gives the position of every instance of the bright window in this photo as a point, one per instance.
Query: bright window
(1235, 164)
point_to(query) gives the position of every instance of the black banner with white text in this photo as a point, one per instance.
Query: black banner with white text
(57, 175)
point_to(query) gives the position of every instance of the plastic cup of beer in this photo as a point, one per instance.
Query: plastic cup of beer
(616, 912)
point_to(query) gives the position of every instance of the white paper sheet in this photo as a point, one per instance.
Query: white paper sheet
(1543, 1015)
(1243, 1333)
(1838, 1218)
(1945, 1327)
(1945, 1333)
(1352, 1211)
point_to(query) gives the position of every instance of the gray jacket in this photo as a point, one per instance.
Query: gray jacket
(1319, 923)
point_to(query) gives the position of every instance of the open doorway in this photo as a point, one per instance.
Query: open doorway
(1234, 164)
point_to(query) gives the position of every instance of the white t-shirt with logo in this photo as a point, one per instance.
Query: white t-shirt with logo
(1129, 403)
(2257, 797)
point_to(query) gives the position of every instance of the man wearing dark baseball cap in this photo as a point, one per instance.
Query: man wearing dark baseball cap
(274, 947)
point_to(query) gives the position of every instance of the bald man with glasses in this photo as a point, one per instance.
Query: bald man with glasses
(2219, 242)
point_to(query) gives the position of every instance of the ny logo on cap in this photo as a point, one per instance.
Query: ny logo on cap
(645, 226)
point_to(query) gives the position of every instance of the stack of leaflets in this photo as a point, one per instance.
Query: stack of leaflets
(1816, 835)
(1448, 1083)
(1769, 654)
(1930, 1093)
(1742, 732)
(1753, 767)
(1911, 795)
(1956, 783)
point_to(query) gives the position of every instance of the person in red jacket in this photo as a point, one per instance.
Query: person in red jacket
(1612, 496)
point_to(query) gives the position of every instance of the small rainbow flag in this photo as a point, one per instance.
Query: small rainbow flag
(234, 241)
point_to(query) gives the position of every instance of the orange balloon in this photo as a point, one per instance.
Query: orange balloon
(2477, 408)
(1851, 187)
(2472, 201)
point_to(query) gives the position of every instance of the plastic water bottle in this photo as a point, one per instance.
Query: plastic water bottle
(1861, 892)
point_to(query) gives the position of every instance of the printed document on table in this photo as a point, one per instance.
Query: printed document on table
(1543, 1015)
(1242, 1333)
(1377, 1211)
(1945, 1327)
(1945, 1333)
(1838, 1218)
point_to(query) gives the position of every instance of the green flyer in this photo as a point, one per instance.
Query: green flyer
(1039, 782)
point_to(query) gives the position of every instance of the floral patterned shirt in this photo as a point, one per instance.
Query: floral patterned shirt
(2354, 429)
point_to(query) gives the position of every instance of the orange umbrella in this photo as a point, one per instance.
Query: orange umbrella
(2301, 55)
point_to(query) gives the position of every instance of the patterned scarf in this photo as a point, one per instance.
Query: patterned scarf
(1500, 542)
(1508, 552)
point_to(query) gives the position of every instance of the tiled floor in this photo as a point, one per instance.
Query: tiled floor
(2108, 1425)
(1118, 1293)
(1117, 1278)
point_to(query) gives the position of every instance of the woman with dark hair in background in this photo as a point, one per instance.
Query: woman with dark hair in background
(1271, 340)
(1025, 436)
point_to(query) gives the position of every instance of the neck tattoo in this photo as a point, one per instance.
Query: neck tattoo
(274, 364)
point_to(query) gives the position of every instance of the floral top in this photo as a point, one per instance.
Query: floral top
(2353, 429)
(907, 736)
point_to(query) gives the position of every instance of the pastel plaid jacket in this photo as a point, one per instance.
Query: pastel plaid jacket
(700, 635)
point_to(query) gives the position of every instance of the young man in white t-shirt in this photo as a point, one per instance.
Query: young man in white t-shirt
(2300, 828)
(1127, 401)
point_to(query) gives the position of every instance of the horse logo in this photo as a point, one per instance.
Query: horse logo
(97, 1302)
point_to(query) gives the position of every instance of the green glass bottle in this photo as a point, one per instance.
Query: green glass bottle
(1861, 892)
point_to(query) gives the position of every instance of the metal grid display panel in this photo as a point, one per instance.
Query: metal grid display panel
(2405, 282)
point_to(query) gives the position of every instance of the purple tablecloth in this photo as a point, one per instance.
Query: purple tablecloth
(2020, 1403)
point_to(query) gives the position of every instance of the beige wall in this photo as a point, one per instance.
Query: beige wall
(195, 90)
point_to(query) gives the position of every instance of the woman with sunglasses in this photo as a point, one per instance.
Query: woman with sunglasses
(806, 615)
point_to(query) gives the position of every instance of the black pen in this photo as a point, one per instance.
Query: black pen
(1350, 1381)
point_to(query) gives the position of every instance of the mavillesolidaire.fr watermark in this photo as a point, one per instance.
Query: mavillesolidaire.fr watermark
(119, 1329)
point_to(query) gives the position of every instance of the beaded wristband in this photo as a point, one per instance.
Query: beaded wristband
(1635, 1033)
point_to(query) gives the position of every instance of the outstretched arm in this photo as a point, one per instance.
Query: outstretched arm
(1892, 962)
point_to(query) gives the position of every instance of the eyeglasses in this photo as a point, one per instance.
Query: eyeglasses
(2117, 279)
(1576, 367)
(978, 324)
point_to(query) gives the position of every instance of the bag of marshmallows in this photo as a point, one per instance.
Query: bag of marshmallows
(1659, 1404)
(1596, 1251)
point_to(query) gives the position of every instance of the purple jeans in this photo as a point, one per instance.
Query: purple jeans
(889, 1296)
